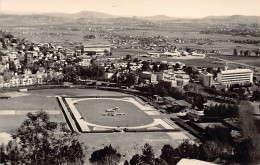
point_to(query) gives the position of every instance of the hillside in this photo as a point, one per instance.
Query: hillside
(91, 16)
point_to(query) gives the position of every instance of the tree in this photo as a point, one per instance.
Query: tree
(130, 79)
(256, 95)
(128, 57)
(3, 156)
(210, 151)
(107, 53)
(126, 162)
(163, 66)
(145, 66)
(12, 66)
(148, 154)
(136, 159)
(243, 151)
(241, 52)
(219, 133)
(235, 52)
(35, 142)
(128, 66)
(155, 67)
(199, 101)
(147, 158)
(169, 154)
(250, 135)
(106, 156)
(159, 161)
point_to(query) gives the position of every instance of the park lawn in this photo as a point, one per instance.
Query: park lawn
(30, 102)
(10, 123)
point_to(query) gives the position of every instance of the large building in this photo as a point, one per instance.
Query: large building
(176, 78)
(95, 49)
(206, 78)
(235, 76)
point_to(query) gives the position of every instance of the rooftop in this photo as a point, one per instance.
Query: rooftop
(236, 71)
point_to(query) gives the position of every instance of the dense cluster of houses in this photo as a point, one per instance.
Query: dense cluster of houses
(26, 63)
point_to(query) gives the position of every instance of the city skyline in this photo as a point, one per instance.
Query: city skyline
(172, 8)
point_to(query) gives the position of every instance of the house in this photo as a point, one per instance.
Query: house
(120, 65)
(134, 66)
(108, 75)
(14, 81)
(85, 62)
(5, 58)
(26, 81)
(1, 81)
(152, 78)
(69, 52)
(12, 56)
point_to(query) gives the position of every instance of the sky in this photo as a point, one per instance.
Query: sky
(173, 8)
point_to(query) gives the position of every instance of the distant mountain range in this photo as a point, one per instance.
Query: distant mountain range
(83, 14)
(7, 18)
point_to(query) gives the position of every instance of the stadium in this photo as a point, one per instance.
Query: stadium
(100, 116)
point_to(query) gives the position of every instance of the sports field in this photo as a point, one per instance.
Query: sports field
(137, 115)
(94, 111)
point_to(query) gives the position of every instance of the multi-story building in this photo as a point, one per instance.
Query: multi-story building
(206, 78)
(235, 76)
(176, 78)
(96, 49)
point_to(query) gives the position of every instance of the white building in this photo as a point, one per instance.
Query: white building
(235, 76)
(108, 75)
(85, 62)
(198, 54)
(206, 78)
(176, 78)
(96, 49)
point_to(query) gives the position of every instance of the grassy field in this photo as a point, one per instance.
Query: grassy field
(92, 111)
(255, 61)
(31, 102)
(10, 123)
(128, 144)
(36, 100)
